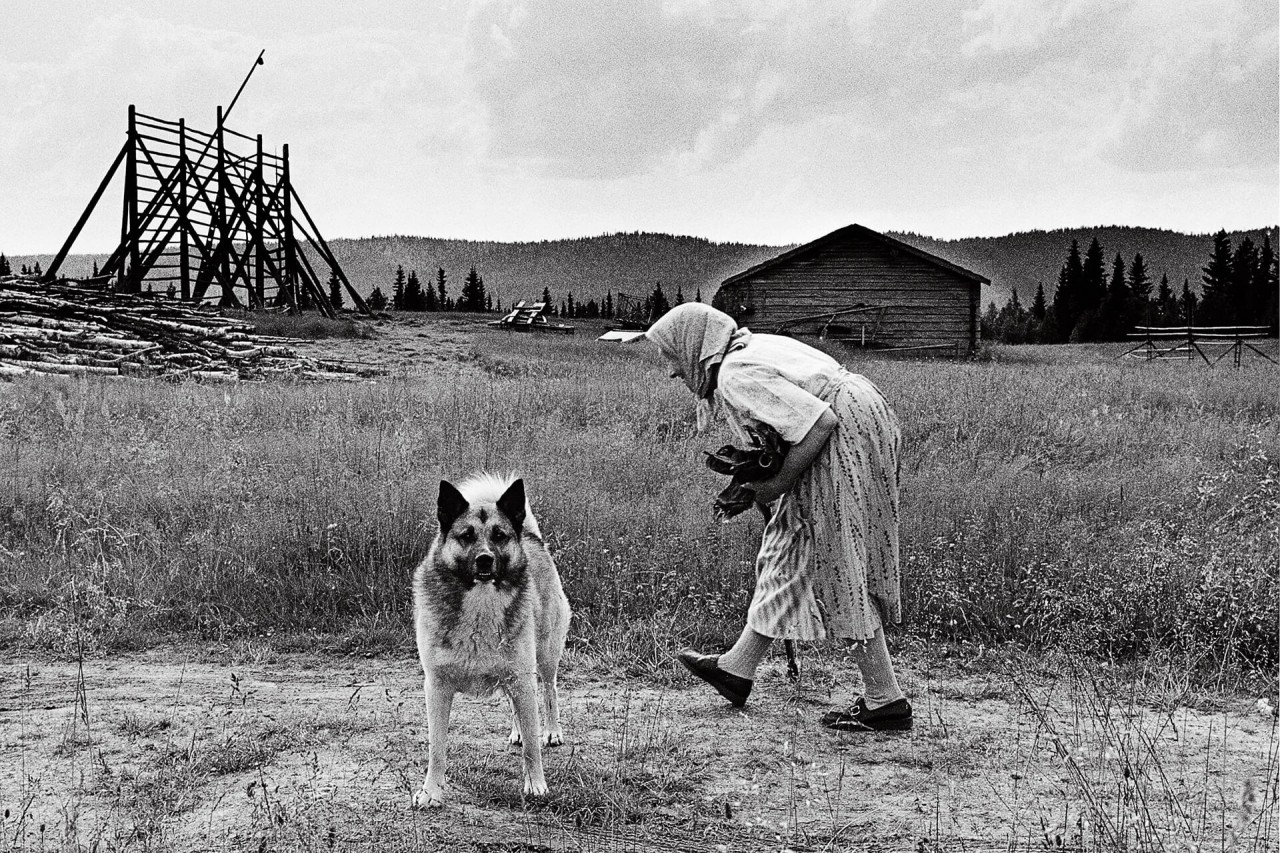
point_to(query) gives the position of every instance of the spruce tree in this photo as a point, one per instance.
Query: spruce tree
(5, 269)
(571, 308)
(1262, 291)
(335, 291)
(1215, 294)
(546, 298)
(1038, 304)
(1271, 313)
(1244, 272)
(1188, 304)
(377, 300)
(413, 298)
(1139, 290)
(697, 296)
(1114, 315)
(429, 300)
(472, 296)
(679, 295)
(658, 304)
(442, 290)
(1067, 297)
(1166, 307)
(1093, 290)
(397, 289)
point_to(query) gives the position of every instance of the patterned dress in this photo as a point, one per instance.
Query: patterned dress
(828, 562)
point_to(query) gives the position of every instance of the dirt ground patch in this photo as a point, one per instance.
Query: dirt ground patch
(168, 751)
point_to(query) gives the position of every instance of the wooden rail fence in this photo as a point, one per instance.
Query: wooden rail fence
(1186, 342)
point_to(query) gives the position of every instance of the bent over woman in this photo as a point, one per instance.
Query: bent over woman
(828, 562)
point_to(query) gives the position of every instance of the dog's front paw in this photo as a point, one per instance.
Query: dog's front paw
(514, 738)
(555, 737)
(429, 796)
(535, 787)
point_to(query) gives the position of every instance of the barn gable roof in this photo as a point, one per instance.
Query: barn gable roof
(849, 231)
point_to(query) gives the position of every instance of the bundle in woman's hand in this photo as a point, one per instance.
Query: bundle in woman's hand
(761, 461)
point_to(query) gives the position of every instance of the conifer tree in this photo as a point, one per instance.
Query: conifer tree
(546, 298)
(658, 304)
(1093, 290)
(335, 291)
(442, 290)
(1038, 305)
(36, 269)
(1188, 304)
(472, 296)
(1272, 311)
(1114, 316)
(488, 302)
(95, 269)
(1139, 287)
(1166, 306)
(5, 268)
(1262, 291)
(697, 296)
(397, 289)
(1244, 271)
(571, 307)
(607, 311)
(413, 297)
(377, 300)
(1215, 294)
(1067, 297)
(679, 295)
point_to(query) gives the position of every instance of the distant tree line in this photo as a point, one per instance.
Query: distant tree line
(1238, 288)
(409, 294)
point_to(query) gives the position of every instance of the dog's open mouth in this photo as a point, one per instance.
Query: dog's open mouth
(484, 577)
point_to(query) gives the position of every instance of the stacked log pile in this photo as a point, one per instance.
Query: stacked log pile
(82, 328)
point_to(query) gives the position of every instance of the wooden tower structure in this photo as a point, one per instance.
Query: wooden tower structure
(213, 217)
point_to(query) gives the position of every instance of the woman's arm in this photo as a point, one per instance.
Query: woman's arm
(799, 458)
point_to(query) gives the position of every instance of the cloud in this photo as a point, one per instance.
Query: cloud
(596, 89)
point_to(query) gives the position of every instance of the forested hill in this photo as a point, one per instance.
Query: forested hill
(587, 267)
(1027, 258)
(590, 267)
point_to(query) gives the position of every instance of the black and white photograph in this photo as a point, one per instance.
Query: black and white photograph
(613, 426)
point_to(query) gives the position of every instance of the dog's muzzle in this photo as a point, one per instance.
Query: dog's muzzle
(484, 568)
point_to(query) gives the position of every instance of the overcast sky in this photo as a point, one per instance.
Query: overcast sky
(765, 122)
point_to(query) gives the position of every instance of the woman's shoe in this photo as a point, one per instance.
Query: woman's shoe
(735, 688)
(894, 717)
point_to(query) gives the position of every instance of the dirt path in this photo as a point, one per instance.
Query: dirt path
(157, 751)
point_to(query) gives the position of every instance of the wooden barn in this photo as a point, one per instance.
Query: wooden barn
(862, 287)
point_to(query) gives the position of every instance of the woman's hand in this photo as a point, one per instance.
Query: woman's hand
(798, 459)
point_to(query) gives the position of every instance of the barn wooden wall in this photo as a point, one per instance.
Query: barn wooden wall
(929, 305)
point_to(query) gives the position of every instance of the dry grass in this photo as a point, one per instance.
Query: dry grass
(1053, 499)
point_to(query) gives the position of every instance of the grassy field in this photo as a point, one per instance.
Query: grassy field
(1052, 498)
(1084, 538)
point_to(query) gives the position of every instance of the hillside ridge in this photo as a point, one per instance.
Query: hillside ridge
(634, 262)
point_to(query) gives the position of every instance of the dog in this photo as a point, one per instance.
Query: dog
(489, 614)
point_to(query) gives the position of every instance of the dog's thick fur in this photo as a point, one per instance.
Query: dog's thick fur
(490, 615)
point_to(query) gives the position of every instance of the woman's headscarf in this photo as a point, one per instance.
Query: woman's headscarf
(696, 337)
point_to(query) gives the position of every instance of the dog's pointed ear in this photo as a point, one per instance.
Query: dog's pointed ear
(511, 504)
(450, 505)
